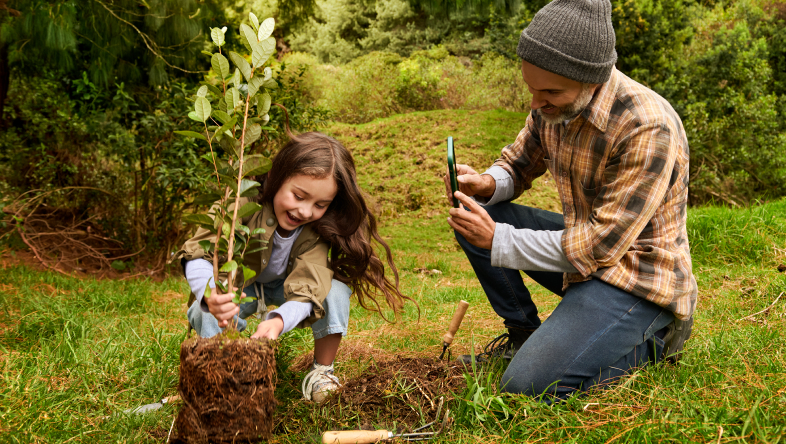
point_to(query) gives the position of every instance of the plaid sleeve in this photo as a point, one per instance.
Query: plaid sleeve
(637, 177)
(524, 159)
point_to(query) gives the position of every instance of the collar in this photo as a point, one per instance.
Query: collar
(598, 110)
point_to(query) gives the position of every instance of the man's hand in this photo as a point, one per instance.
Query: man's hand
(470, 183)
(222, 307)
(270, 329)
(475, 225)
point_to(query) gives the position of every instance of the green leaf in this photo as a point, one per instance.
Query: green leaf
(248, 209)
(248, 273)
(250, 36)
(270, 84)
(247, 299)
(213, 89)
(244, 229)
(268, 73)
(231, 146)
(232, 97)
(244, 40)
(221, 116)
(206, 199)
(254, 20)
(193, 134)
(193, 116)
(248, 188)
(202, 108)
(266, 28)
(237, 78)
(223, 164)
(198, 219)
(255, 165)
(206, 245)
(268, 45)
(217, 35)
(256, 231)
(262, 52)
(229, 126)
(207, 53)
(253, 86)
(265, 119)
(222, 105)
(221, 286)
(202, 91)
(229, 266)
(255, 250)
(263, 103)
(253, 133)
(241, 64)
(220, 65)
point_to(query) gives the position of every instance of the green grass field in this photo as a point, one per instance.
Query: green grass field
(75, 353)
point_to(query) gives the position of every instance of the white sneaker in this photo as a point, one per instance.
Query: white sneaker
(319, 383)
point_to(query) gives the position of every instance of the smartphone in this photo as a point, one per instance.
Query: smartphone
(452, 172)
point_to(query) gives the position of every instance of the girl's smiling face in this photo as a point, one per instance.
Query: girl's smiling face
(302, 199)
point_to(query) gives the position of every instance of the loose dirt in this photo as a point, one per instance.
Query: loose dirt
(404, 391)
(227, 390)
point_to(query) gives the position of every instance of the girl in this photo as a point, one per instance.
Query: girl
(318, 230)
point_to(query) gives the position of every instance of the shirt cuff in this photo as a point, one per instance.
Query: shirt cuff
(529, 250)
(292, 313)
(199, 274)
(504, 187)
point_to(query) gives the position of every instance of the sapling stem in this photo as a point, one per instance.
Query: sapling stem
(231, 240)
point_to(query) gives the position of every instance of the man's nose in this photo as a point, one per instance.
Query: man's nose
(537, 102)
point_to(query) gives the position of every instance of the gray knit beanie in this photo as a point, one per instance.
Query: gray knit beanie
(572, 38)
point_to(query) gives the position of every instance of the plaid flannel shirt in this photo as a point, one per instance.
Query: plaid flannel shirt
(621, 169)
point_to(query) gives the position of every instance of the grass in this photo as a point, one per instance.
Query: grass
(75, 353)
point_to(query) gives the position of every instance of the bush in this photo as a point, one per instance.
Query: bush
(723, 88)
(381, 84)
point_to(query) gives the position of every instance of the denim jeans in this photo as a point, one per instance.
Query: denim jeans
(336, 307)
(596, 334)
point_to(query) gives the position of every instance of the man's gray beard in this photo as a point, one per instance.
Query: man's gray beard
(573, 109)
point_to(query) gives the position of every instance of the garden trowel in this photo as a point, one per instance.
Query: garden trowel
(458, 316)
(150, 407)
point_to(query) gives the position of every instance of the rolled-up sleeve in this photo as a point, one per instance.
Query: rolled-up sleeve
(503, 190)
(310, 279)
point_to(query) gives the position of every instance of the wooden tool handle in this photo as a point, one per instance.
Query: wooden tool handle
(355, 436)
(458, 316)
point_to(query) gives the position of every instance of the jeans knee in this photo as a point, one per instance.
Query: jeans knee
(515, 383)
(338, 297)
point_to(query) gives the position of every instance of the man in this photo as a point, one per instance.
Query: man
(618, 254)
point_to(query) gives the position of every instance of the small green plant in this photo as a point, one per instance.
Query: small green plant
(483, 404)
(234, 121)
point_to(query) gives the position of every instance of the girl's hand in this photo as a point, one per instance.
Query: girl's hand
(270, 329)
(222, 307)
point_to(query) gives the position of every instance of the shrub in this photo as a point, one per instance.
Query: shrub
(381, 84)
(723, 89)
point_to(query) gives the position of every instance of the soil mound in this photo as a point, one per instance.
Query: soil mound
(227, 390)
(404, 390)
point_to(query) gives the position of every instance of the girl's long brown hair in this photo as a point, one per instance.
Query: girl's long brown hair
(347, 224)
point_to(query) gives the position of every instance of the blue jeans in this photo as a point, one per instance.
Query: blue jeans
(596, 334)
(336, 307)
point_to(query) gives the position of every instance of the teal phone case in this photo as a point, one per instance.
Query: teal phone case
(452, 171)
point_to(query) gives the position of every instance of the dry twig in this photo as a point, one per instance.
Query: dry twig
(750, 317)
